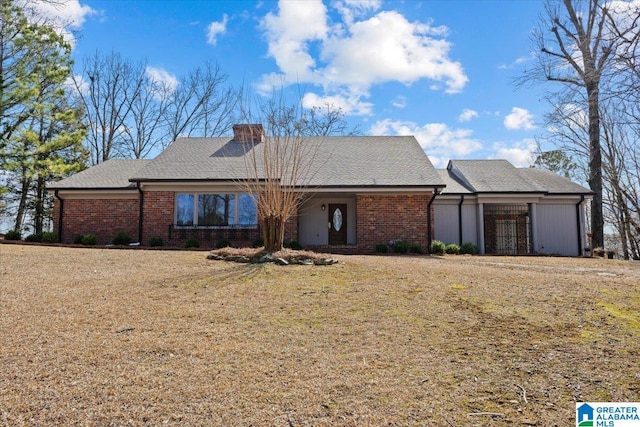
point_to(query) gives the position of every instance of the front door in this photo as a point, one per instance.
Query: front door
(338, 224)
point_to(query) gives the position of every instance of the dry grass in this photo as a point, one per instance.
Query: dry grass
(97, 337)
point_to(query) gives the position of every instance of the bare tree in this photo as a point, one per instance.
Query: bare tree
(282, 160)
(578, 42)
(107, 89)
(144, 130)
(202, 104)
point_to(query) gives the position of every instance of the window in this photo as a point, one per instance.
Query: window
(215, 210)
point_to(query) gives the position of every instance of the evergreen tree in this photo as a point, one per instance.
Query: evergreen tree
(40, 132)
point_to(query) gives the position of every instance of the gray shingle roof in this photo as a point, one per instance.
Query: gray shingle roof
(453, 186)
(493, 176)
(112, 174)
(337, 161)
(553, 183)
(500, 176)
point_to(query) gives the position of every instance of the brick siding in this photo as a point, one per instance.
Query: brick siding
(381, 219)
(157, 217)
(102, 217)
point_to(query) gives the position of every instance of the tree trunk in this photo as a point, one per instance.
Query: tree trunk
(22, 205)
(595, 166)
(39, 205)
(273, 232)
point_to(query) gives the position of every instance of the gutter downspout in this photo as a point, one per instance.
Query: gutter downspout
(460, 219)
(429, 231)
(140, 211)
(579, 225)
(60, 214)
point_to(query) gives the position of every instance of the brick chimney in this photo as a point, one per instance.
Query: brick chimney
(248, 133)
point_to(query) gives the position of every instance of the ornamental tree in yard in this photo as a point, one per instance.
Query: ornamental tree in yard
(281, 161)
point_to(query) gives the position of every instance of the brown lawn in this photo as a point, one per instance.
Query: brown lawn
(98, 337)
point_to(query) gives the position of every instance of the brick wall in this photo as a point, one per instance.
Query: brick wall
(158, 219)
(157, 216)
(379, 219)
(382, 218)
(102, 217)
(291, 229)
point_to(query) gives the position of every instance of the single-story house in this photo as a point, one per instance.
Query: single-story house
(506, 210)
(362, 191)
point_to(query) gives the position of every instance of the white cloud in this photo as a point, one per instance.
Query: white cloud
(399, 101)
(521, 154)
(467, 115)
(77, 83)
(518, 61)
(289, 34)
(519, 118)
(350, 9)
(350, 105)
(162, 77)
(357, 53)
(439, 141)
(63, 15)
(215, 29)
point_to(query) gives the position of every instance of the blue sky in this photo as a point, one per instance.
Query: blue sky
(440, 70)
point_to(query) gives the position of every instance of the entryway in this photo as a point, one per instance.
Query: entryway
(337, 224)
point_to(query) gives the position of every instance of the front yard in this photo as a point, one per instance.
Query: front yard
(99, 337)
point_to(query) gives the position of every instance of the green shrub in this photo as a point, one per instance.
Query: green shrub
(468, 248)
(12, 235)
(437, 247)
(294, 245)
(382, 248)
(401, 247)
(452, 249)
(416, 249)
(33, 238)
(121, 238)
(156, 241)
(89, 239)
(223, 243)
(50, 237)
(78, 239)
(192, 243)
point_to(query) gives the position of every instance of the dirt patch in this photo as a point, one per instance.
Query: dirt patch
(140, 338)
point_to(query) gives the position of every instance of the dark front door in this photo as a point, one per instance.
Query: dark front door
(338, 224)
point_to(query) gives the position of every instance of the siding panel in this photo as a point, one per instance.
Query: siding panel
(557, 230)
(446, 223)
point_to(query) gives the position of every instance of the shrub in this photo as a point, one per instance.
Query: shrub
(223, 243)
(437, 247)
(452, 249)
(258, 243)
(156, 241)
(192, 243)
(33, 238)
(381, 248)
(401, 247)
(50, 237)
(89, 239)
(12, 235)
(121, 238)
(416, 249)
(293, 245)
(468, 248)
(78, 239)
